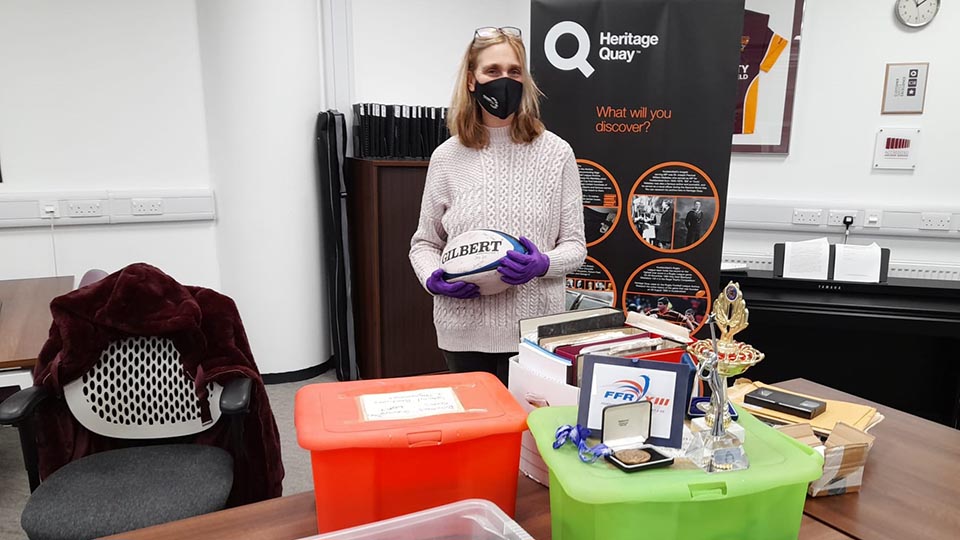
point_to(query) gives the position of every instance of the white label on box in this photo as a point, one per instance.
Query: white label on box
(411, 404)
(614, 385)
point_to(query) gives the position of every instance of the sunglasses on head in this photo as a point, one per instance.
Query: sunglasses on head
(487, 32)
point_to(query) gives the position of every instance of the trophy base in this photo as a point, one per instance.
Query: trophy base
(720, 453)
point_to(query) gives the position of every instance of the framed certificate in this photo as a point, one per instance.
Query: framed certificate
(904, 88)
(615, 381)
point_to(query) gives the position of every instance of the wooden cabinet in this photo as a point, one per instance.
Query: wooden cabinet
(393, 315)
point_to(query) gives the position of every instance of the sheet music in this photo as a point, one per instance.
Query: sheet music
(857, 263)
(806, 260)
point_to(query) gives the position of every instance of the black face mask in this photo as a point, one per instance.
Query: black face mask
(499, 97)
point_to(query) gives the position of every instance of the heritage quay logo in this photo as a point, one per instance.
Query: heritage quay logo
(622, 47)
(579, 58)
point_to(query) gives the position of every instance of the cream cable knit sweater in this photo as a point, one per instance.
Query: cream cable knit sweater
(530, 190)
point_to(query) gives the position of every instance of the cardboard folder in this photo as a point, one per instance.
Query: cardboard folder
(854, 414)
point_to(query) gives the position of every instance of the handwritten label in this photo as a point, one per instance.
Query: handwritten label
(412, 404)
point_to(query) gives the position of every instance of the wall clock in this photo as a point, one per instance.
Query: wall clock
(916, 13)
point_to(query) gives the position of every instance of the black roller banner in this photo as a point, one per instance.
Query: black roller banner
(644, 91)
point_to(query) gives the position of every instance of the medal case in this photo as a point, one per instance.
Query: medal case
(626, 429)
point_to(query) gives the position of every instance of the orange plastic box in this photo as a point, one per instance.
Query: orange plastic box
(387, 447)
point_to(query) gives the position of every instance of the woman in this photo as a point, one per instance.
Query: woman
(500, 170)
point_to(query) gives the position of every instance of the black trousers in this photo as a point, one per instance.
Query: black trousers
(463, 361)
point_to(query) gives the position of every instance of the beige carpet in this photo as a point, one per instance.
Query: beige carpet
(296, 461)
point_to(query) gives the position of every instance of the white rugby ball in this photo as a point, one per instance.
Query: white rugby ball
(474, 257)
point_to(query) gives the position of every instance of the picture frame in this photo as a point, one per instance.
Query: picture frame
(896, 148)
(769, 57)
(612, 381)
(904, 88)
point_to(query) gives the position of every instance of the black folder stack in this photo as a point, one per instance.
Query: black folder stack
(398, 131)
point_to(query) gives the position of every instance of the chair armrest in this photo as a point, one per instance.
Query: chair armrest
(20, 406)
(235, 397)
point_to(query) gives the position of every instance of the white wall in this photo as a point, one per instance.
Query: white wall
(103, 94)
(110, 95)
(261, 74)
(100, 93)
(843, 53)
(408, 52)
(845, 47)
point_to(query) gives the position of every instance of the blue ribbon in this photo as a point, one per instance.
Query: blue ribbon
(578, 436)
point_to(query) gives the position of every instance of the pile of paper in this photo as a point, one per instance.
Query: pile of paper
(862, 417)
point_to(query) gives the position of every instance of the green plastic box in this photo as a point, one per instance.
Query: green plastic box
(764, 502)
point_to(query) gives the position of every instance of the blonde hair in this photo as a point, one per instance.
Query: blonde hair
(465, 119)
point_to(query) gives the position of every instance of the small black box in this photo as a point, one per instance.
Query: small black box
(784, 402)
(626, 428)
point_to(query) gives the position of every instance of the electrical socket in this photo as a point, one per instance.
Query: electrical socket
(836, 217)
(49, 209)
(872, 218)
(934, 221)
(146, 207)
(807, 216)
(84, 208)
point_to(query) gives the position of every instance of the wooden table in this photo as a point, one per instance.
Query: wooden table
(25, 317)
(911, 483)
(910, 490)
(295, 516)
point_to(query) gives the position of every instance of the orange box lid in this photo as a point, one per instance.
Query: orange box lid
(405, 412)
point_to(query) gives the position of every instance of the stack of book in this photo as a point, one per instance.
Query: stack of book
(398, 131)
(555, 345)
(548, 367)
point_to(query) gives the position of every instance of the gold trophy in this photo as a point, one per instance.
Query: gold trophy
(717, 449)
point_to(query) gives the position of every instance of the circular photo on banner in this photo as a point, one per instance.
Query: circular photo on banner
(590, 286)
(671, 290)
(601, 201)
(673, 207)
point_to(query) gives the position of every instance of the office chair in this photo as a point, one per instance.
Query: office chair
(139, 397)
(91, 276)
(138, 392)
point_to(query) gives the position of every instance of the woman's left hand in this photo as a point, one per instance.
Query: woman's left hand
(518, 268)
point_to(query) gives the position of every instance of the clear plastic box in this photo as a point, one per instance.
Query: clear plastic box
(472, 519)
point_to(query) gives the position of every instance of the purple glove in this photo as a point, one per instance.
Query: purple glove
(458, 289)
(518, 268)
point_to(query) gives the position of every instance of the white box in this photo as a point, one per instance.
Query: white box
(542, 362)
(532, 390)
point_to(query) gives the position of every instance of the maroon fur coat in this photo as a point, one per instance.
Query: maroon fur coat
(141, 300)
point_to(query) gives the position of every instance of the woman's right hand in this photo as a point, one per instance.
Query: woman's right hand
(458, 289)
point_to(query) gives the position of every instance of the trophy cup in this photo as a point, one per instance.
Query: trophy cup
(717, 449)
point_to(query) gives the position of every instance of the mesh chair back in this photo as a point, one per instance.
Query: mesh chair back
(139, 390)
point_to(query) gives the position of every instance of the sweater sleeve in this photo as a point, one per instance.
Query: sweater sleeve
(571, 249)
(430, 237)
